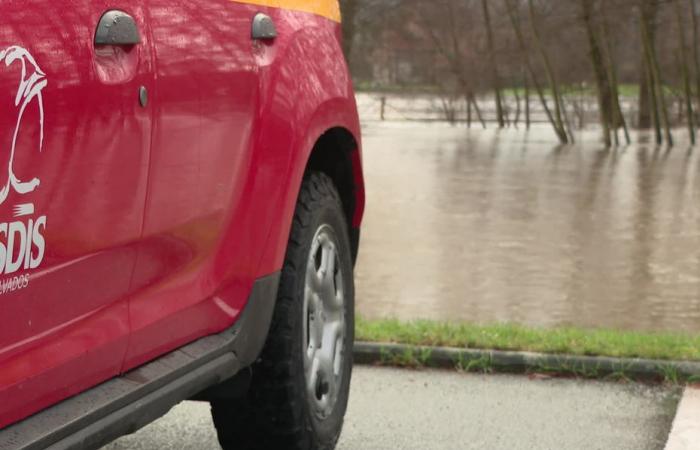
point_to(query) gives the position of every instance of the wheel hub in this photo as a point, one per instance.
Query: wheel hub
(325, 322)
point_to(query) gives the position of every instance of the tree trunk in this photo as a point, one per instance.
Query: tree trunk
(653, 103)
(567, 123)
(599, 69)
(561, 133)
(683, 62)
(518, 108)
(653, 64)
(472, 99)
(644, 119)
(495, 78)
(619, 117)
(696, 49)
(648, 105)
(527, 103)
(553, 83)
(469, 112)
(647, 27)
(647, 108)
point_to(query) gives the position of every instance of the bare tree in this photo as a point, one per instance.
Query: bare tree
(599, 69)
(518, 108)
(553, 83)
(683, 62)
(696, 48)
(450, 47)
(478, 49)
(556, 124)
(648, 109)
(619, 117)
(528, 119)
(652, 61)
(495, 78)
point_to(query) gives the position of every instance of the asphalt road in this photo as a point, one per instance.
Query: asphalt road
(401, 409)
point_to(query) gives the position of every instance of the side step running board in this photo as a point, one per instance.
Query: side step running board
(125, 404)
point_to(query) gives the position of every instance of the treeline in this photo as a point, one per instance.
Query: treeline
(539, 51)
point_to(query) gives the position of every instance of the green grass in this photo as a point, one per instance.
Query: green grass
(569, 341)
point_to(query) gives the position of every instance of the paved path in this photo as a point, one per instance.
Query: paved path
(399, 409)
(685, 434)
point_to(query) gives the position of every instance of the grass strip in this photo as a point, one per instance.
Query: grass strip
(509, 337)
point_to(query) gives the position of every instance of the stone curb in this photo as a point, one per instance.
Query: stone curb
(524, 362)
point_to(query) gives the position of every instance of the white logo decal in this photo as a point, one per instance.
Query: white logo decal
(23, 246)
(32, 81)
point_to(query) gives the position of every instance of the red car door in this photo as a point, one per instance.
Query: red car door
(74, 146)
(205, 98)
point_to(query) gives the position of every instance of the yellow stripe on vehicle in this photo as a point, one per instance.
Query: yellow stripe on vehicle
(325, 8)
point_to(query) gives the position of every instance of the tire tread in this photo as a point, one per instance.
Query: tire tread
(272, 416)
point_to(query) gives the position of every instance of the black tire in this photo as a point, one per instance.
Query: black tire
(278, 411)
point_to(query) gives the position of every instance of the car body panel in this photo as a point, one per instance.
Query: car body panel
(298, 111)
(210, 187)
(86, 142)
(204, 107)
(197, 276)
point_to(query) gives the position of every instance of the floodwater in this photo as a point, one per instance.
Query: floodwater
(489, 226)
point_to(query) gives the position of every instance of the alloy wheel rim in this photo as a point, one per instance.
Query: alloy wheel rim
(324, 322)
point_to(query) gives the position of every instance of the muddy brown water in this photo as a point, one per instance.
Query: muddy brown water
(488, 226)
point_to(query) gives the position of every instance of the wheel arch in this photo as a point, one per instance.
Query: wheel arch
(336, 153)
(318, 130)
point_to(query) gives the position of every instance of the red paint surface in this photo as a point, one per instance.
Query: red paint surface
(158, 219)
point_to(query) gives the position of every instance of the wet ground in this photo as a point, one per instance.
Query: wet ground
(506, 226)
(398, 409)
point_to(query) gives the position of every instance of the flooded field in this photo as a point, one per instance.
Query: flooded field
(491, 226)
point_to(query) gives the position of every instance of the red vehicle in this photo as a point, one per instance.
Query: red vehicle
(181, 194)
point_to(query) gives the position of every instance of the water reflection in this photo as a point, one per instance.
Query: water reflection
(502, 226)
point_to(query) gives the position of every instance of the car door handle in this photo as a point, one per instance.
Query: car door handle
(117, 28)
(263, 28)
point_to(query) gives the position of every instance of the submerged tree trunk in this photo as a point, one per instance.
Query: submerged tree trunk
(655, 70)
(559, 130)
(518, 108)
(469, 112)
(448, 110)
(471, 98)
(599, 69)
(647, 26)
(683, 62)
(553, 83)
(453, 57)
(619, 119)
(696, 49)
(495, 78)
(567, 123)
(527, 102)
(648, 103)
(653, 103)
(644, 117)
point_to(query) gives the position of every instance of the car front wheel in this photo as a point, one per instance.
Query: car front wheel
(300, 385)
